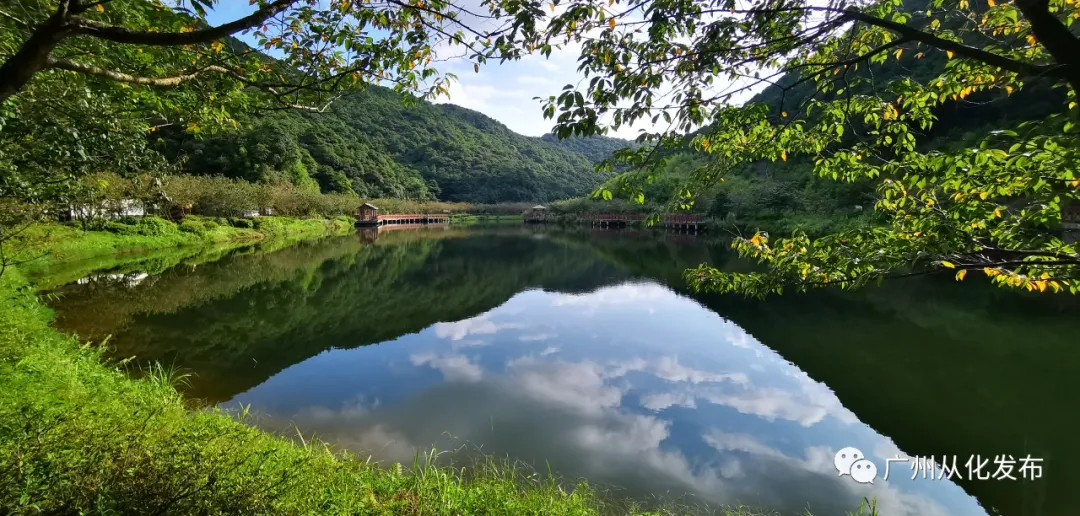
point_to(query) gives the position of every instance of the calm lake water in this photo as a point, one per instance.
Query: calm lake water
(583, 351)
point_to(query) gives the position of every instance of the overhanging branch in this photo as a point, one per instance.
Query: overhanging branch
(175, 80)
(124, 35)
(990, 58)
(71, 66)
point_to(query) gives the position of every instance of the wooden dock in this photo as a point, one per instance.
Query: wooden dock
(669, 221)
(407, 219)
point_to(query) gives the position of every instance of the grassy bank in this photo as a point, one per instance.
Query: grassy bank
(80, 436)
(45, 245)
(469, 219)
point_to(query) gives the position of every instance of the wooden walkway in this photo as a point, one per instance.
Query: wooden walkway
(671, 220)
(411, 219)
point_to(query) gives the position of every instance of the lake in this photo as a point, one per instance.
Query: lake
(582, 352)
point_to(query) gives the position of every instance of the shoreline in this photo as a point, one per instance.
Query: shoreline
(77, 433)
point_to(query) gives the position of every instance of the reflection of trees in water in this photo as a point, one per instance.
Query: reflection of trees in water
(941, 367)
(238, 321)
(103, 306)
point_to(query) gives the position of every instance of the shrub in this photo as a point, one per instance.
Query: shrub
(154, 226)
(145, 226)
(267, 223)
(391, 206)
(589, 205)
(221, 197)
(241, 223)
(119, 228)
(192, 226)
(509, 208)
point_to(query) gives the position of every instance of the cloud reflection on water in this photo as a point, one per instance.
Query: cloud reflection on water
(703, 409)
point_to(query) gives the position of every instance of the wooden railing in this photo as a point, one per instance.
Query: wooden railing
(670, 219)
(637, 217)
(404, 218)
(421, 218)
(615, 217)
(682, 219)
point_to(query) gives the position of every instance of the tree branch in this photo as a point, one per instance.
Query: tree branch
(175, 80)
(79, 8)
(64, 64)
(124, 35)
(990, 58)
(1054, 36)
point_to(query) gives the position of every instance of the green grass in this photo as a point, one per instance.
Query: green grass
(465, 219)
(78, 435)
(42, 245)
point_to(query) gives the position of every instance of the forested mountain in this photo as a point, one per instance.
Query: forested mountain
(376, 146)
(596, 148)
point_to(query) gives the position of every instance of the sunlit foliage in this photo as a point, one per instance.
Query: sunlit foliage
(994, 207)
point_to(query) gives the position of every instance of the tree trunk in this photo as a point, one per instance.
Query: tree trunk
(34, 54)
(1055, 37)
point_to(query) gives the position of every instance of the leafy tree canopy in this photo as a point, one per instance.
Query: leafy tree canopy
(82, 82)
(994, 207)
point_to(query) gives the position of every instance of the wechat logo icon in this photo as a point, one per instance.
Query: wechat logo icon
(852, 462)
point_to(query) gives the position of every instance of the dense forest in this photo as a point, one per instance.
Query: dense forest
(374, 145)
(596, 148)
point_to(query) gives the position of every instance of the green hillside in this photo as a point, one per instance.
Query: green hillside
(374, 145)
(596, 148)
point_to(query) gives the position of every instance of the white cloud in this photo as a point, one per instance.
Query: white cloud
(722, 441)
(669, 369)
(570, 414)
(808, 403)
(887, 449)
(618, 368)
(738, 337)
(625, 294)
(534, 337)
(479, 325)
(817, 461)
(663, 400)
(586, 383)
(468, 343)
(351, 410)
(536, 80)
(579, 386)
(771, 404)
(453, 367)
